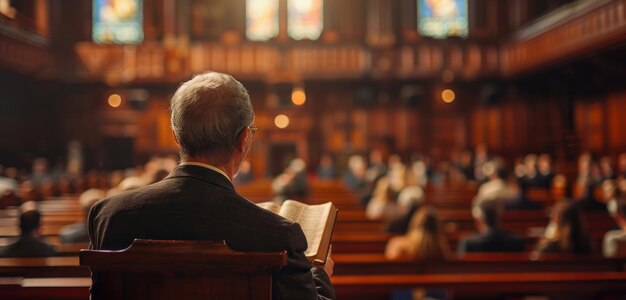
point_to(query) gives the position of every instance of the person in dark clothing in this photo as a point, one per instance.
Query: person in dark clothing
(28, 244)
(492, 238)
(77, 232)
(571, 235)
(211, 118)
(409, 202)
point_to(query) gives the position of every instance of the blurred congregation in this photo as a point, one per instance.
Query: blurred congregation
(475, 149)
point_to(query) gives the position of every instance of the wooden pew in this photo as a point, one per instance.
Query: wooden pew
(42, 267)
(568, 285)
(556, 285)
(346, 264)
(45, 288)
(46, 219)
(166, 269)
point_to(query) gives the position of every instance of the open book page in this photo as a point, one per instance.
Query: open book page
(317, 223)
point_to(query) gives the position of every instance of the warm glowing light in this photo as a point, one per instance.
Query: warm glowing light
(115, 100)
(298, 97)
(281, 121)
(448, 96)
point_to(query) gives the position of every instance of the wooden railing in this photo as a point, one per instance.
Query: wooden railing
(578, 33)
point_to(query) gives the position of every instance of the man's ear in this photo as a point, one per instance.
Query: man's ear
(243, 140)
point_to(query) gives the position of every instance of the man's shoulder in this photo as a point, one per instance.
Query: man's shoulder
(116, 202)
(151, 194)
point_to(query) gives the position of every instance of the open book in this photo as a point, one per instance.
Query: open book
(317, 223)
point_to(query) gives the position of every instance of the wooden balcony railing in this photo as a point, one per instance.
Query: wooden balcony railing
(576, 33)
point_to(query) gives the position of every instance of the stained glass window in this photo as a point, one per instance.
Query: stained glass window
(305, 19)
(117, 21)
(261, 19)
(442, 18)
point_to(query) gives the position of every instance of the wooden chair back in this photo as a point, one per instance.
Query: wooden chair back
(158, 269)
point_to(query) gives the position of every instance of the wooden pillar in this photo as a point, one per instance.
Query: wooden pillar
(282, 20)
(183, 14)
(169, 20)
(234, 21)
(41, 17)
(379, 23)
(408, 18)
(332, 13)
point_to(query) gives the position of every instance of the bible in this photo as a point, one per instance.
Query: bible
(317, 222)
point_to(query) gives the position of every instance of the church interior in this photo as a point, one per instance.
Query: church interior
(459, 117)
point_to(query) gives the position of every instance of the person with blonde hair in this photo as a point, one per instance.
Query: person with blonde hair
(424, 240)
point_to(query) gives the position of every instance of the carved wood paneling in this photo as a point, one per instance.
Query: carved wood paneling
(22, 56)
(157, 62)
(579, 33)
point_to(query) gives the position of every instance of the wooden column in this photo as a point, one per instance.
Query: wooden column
(408, 15)
(234, 21)
(379, 23)
(332, 14)
(169, 20)
(282, 21)
(41, 17)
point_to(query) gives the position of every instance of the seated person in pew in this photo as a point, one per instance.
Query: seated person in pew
(245, 174)
(376, 170)
(211, 119)
(29, 243)
(354, 177)
(292, 183)
(496, 187)
(610, 193)
(424, 240)
(570, 234)
(410, 200)
(382, 205)
(326, 168)
(521, 201)
(77, 232)
(621, 166)
(614, 242)
(492, 238)
(589, 178)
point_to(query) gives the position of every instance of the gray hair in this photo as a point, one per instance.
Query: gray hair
(208, 113)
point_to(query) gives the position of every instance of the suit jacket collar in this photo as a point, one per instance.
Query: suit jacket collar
(203, 174)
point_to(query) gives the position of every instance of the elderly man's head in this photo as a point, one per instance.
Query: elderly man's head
(209, 114)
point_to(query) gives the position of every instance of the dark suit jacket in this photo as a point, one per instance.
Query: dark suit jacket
(494, 240)
(196, 203)
(27, 246)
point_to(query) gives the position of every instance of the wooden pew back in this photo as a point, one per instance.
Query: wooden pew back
(151, 269)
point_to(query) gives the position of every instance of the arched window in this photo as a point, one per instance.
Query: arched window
(305, 19)
(442, 18)
(117, 21)
(261, 19)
